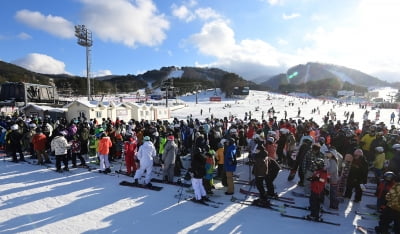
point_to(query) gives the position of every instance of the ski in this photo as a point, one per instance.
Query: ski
(201, 202)
(307, 208)
(364, 230)
(279, 198)
(271, 206)
(297, 194)
(375, 214)
(305, 218)
(187, 197)
(371, 206)
(177, 183)
(107, 173)
(131, 184)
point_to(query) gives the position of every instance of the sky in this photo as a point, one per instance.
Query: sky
(252, 38)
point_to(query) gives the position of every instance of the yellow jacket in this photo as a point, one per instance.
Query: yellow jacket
(379, 160)
(367, 140)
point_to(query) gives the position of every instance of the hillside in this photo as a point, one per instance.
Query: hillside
(304, 73)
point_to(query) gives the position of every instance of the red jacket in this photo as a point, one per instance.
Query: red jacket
(39, 141)
(130, 148)
(317, 186)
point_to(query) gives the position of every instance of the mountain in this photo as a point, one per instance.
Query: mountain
(304, 73)
(186, 79)
(13, 73)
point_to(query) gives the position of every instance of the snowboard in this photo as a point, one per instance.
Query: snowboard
(348, 158)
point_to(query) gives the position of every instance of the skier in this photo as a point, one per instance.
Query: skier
(60, 147)
(391, 212)
(168, 159)
(308, 165)
(39, 141)
(357, 175)
(198, 171)
(104, 149)
(384, 186)
(130, 148)
(318, 181)
(145, 156)
(260, 171)
(331, 166)
(230, 165)
(14, 143)
(378, 163)
(219, 158)
(209, 166)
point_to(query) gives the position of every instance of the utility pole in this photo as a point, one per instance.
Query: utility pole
(85, 39)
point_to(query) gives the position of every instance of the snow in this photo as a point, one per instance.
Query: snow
(34, 199)
(175, 74)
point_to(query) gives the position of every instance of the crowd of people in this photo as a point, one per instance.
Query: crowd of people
(315, 152)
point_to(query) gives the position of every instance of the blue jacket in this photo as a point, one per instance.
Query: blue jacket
(230, 158)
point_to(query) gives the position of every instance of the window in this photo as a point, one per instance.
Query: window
(98, 114)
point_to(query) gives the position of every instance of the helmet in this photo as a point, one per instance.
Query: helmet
(14, 127)
(396, 147)
(322, 140)
(318, 164)
(389, 176)
(379, 149)
(358, 152)
(308, 139)
(171, 138)
(271, 139)
(146, 138)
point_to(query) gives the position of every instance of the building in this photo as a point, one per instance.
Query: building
(42, 111)
(123, 111)
(19, 94)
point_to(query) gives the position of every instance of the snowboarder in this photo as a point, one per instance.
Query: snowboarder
(145, 156)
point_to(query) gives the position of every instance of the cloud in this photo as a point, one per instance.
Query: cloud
(54, 25)
(41, 63)
(24, 36)
(275, 2)
(207, 14)
(182, 13)
(121, 21)
(249, 58)
(291, 16)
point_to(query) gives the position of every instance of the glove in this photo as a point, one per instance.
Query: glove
(313, 178)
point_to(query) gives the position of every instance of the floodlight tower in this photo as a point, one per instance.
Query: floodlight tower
(85, 39)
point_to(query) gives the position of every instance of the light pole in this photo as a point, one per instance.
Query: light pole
(85, 39)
